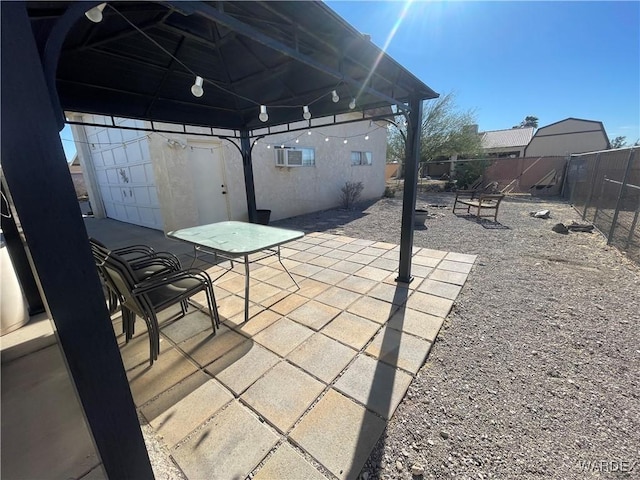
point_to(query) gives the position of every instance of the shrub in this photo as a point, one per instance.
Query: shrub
(389, 192)
(469, 172)
(350, 193)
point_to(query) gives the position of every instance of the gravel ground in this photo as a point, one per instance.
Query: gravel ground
(535, 373)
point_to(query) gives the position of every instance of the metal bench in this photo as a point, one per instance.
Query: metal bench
(479, 201)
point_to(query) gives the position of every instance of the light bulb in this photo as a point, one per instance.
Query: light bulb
(334, 97)
(306, 114)
(263, 113)
(297, 140)
(95, 14)
(197, 89)
(282, 146)
(309, 132)
(344, 141)
(352, 104)
(326, 139)
(268, 146)
(366, 137)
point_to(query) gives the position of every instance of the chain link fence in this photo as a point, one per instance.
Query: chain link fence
(604, 187)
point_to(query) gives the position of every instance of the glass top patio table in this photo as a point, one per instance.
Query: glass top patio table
(235, 238)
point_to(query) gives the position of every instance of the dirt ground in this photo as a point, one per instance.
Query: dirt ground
(535, 372)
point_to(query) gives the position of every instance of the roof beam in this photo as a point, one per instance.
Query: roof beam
(246, 30)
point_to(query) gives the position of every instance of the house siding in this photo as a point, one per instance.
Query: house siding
(568, 137)
(286, 191)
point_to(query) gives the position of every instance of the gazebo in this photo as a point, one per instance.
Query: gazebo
(265, 67)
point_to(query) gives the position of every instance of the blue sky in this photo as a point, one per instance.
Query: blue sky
(508, 60)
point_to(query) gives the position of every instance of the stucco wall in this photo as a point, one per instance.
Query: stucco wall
(286, 191)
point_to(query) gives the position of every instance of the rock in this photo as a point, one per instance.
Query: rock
(417, 470)
(399, 465)
(444, 434)
(541, 214)
(560, 228)
(365, 475)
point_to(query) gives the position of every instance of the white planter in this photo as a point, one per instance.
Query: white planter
(13, 306)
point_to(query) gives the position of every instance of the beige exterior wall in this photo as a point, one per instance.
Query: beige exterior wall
(286, 191)
(567, 137)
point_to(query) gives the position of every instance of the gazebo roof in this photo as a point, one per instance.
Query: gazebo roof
(141, 60)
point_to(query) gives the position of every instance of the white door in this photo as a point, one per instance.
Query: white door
(124, 175)
(210, 187)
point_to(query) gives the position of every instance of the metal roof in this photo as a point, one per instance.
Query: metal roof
(512, 137)
(140, 61)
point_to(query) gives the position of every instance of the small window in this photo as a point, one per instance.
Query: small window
(360, 158)
(295, 157)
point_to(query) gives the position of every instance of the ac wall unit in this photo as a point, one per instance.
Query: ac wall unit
(288, 157)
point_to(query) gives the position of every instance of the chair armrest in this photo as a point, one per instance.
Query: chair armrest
(162, 280)
(166, 258)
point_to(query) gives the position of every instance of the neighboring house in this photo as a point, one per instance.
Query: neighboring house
(509, 143)
(77, 177)
(572, 135)
(168, 181)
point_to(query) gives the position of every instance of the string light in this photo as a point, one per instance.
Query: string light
(197, 89)
(297, 140)
(326, 139)
(345, 141)
(95, 14)
(309, 132)
(366, 137)
(263, 113)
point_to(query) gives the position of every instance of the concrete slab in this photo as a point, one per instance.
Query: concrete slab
(372, 309)
(396, 294)
(147, 382)
(351, 330)
(242, 366)
(385, 264)
(440, 289)
(205, 347)
(322, 357)
(346, 266)
(314, 314)
(338, 297)
(283, 336)
(416, 323)
(44, 434)
(357, 284)
(287, 464)
(229, 446)
(349, 432)
(461, 257)
(191, 324)
(256, 323)
(310, 288)
(173, 395)
(329, 276)
(430, 304)
(399, 349)
(306, 269)
(187, 414)
(282, 395)
(230, 306)
(323, 261)
(428, 252)
(373, 273)
(425, 261)
(459, 267)
(448, 277)
(375, 384)
(288, 304)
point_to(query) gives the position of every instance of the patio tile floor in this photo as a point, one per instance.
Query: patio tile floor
(305, 387)
(315, 372)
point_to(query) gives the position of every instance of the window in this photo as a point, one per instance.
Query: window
(360, 158)
(295, 157)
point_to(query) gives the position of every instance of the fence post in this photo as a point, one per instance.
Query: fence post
(624, 182)
(593, 186)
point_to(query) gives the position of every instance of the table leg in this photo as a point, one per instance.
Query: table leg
(246, 288)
